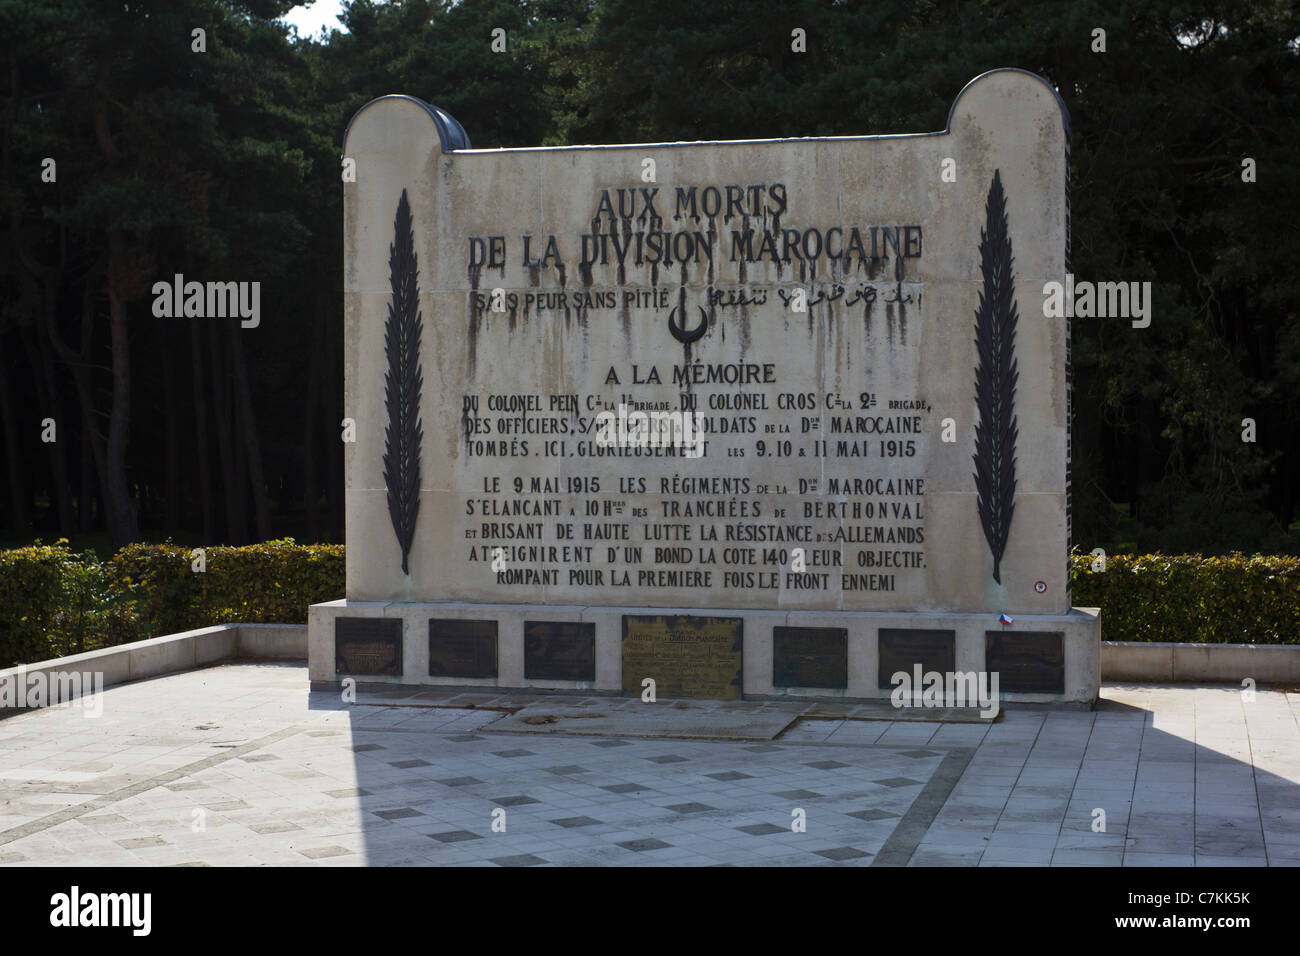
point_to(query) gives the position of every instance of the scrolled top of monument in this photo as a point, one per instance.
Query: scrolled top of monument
(986, 85)
(853, 324)
(451, 135)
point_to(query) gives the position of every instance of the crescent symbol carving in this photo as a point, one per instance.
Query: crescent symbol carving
(681, 334)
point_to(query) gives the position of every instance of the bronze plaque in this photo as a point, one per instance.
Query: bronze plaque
(368, 646)
(559, 650)
(461, 648)
(810, 657)
(902, 648)
(1031, 661)
(687, 656)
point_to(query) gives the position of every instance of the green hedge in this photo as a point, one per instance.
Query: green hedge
(272, 582)
(1237, 599)
(54, 602)
(28, 579)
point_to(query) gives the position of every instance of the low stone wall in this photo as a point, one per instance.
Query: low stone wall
(175, 652)
(1231, 663)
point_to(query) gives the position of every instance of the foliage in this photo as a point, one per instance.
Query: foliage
(54, 603)
(271, 582)
(1236, 599)
(89, 613)
(157, 579)
(29, 578)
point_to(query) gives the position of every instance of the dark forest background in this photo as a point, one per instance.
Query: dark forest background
(225, 165)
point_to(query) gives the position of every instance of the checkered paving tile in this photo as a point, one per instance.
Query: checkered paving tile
(284, 777)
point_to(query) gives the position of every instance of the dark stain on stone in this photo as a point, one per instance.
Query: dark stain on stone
(741, 270)
(471, 334)
(584, 268)
(902, 316)
(627, 241)
(712, 235)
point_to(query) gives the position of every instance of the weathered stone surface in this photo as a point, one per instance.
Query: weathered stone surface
(920, 350)
(834, 285)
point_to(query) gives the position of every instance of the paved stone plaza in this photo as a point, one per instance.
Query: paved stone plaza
(241, 765)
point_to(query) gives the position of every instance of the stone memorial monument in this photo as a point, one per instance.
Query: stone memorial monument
(758, 418)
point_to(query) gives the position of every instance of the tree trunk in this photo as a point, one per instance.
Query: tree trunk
(248, 425)
(18, 511)
(88, 491)
(201, 435)
(59, 450)
(237, 446)
(334, 401)
(47, 393)
(221, 417)
(19, 517)
(79, 365)
(172, 492)
(122, 525)
(310, 480)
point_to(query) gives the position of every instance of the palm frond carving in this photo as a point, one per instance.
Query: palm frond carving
(995, 378)
(402, 383)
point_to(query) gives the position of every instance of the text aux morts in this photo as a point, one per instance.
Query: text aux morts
(703, 219)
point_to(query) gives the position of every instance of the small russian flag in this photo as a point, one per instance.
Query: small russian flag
(1005, 619)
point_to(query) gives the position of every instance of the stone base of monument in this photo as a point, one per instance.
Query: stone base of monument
(724, 655)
